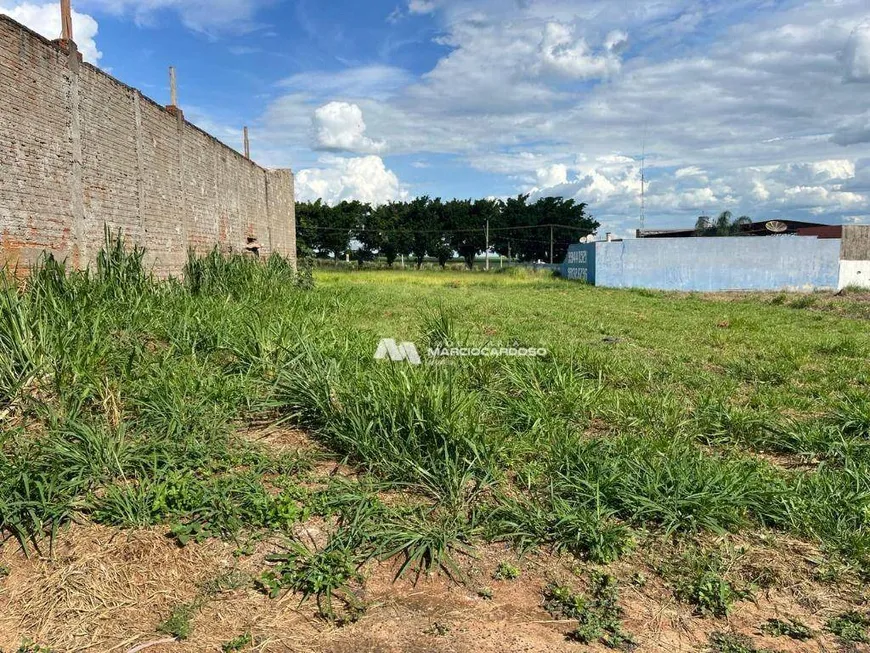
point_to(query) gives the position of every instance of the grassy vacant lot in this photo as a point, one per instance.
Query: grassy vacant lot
(188, 461)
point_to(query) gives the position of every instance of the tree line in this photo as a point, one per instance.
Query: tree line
(426, 227)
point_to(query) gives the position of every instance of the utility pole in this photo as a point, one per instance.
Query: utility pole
(487, 245)
(643, 190)
(551, 244)
(66, 28)
(247, 145)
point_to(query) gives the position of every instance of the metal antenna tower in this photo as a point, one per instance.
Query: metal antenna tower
(643, 183)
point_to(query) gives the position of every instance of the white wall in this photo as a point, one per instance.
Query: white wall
(716, 264)
(854, 273)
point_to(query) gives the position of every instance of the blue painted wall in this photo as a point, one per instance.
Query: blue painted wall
(579, 263)
(713, 264)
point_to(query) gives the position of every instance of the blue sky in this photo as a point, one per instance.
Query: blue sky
(761, 107)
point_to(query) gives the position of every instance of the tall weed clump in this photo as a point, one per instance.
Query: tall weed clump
(239, 276)
(113, 383)
(22, 344)
(417, 426)
(832, 505)
(666, 481)
(120, 270)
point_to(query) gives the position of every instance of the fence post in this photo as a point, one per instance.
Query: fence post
(551, 244)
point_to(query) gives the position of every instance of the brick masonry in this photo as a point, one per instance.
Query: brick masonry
(79, 151)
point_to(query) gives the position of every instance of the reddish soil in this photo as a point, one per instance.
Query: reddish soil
(107, 590)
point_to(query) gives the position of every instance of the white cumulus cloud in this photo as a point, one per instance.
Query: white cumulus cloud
(339, 126)
(366, 179)
(542, 93)
(606, 180)
(689, 171)
(552, 175)
(45, 20)
(564, 54)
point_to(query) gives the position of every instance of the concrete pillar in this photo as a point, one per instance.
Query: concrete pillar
(81, 250)
(173, 88)
(855, 257)
(185, 217)
(281, 208)
(140, 169)
(66, 28)
(173, 107)
(66, 42)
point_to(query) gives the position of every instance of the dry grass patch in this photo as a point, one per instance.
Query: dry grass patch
(105, 589)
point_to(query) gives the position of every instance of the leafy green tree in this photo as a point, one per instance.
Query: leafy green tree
(369, 235)
(534, 244)
(363, 255)
(438, 238)
(310, 217)
(394, 238)
(429, 227)
(724, 225)
(457, 217)
(421, 218)
(346, 220)
(327, 230)
(574, 224)
(513, 212)
(465, 222)
(441, 250)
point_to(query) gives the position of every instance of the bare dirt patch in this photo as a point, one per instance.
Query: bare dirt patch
(104, 588)
(287, 439)
(107, 590)
(281, 439)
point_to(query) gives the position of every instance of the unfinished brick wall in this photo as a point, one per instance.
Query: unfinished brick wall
(79, 150)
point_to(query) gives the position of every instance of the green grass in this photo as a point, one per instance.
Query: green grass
(324, 574)
(239, 643)
(29, 647)
(653, 414)
(598, 615)
(792, 628)
(700, 579)
(850, 627)
(733, 643)
(506, 571)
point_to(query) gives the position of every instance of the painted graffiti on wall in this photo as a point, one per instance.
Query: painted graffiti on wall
(579, 264)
